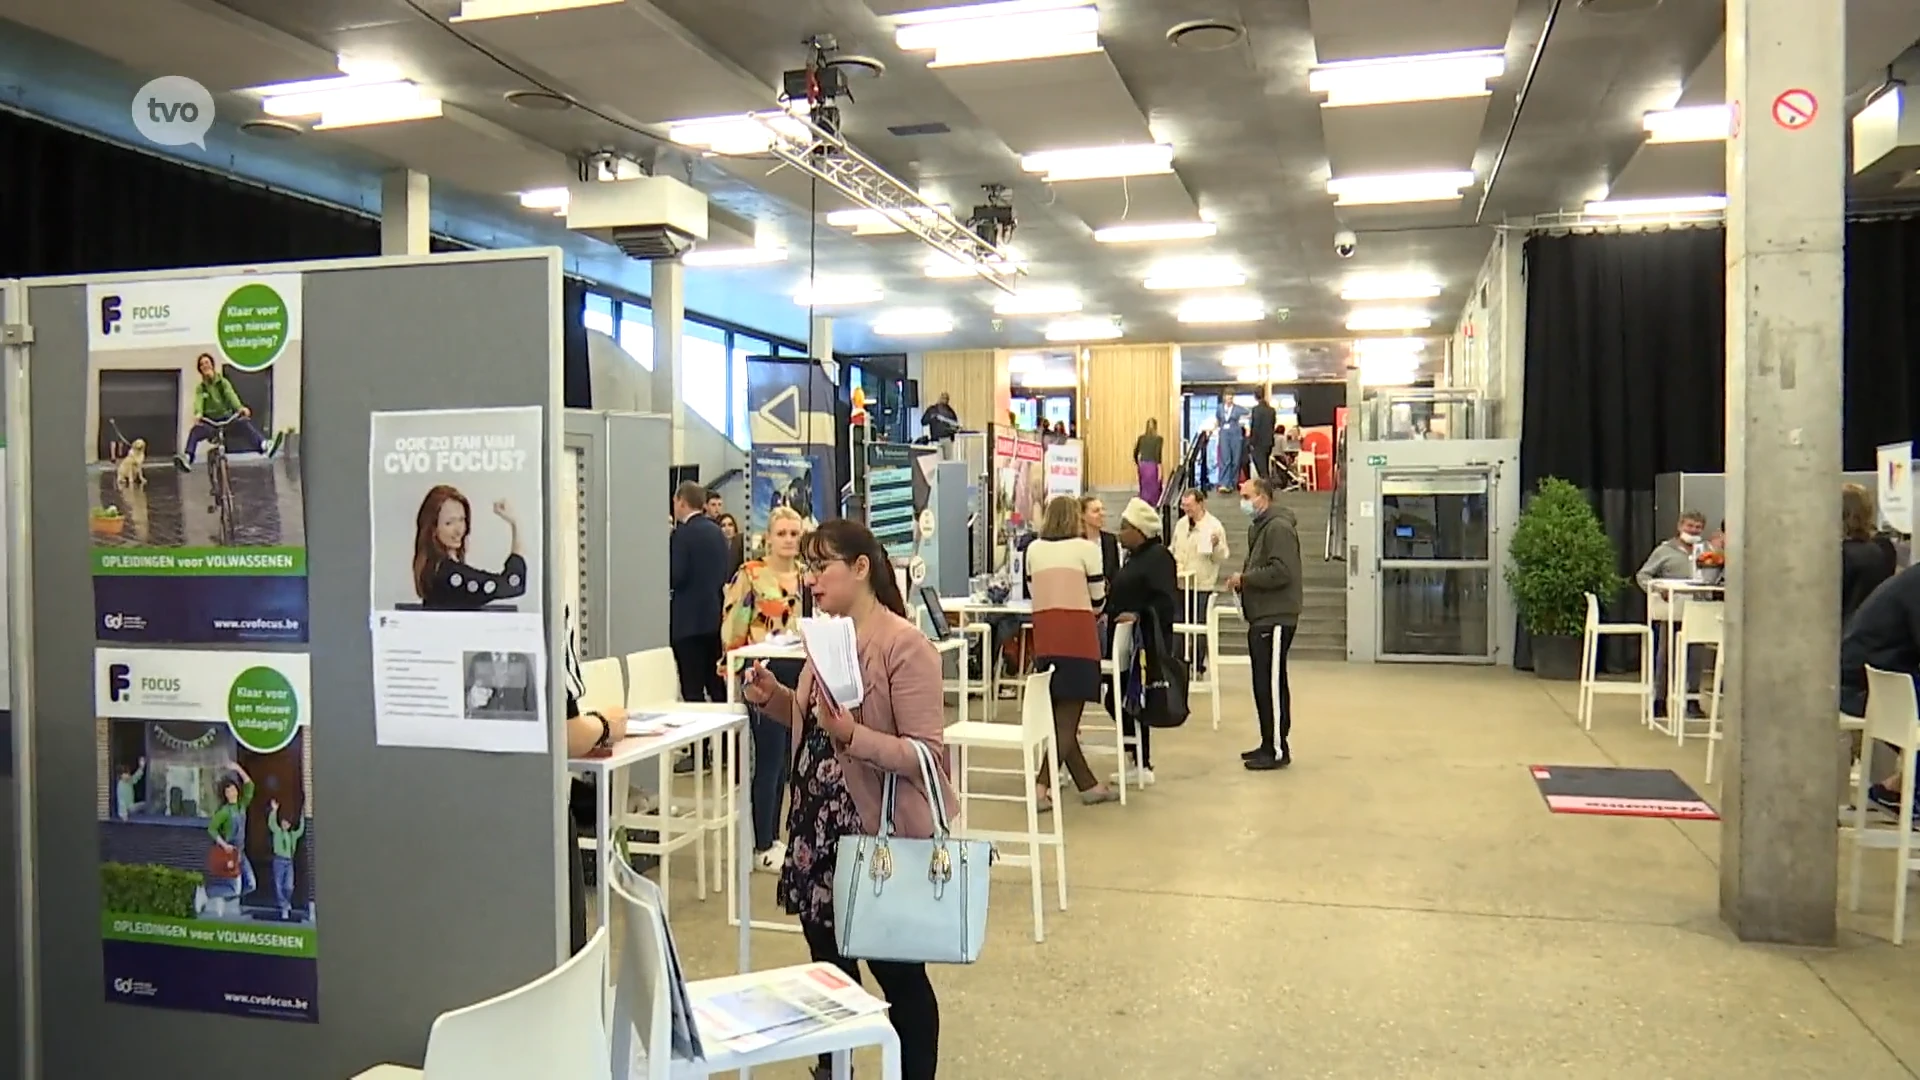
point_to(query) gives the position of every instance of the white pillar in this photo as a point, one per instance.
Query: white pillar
(820, 343)
(404, 213)
(669, 322)
(1786, 183)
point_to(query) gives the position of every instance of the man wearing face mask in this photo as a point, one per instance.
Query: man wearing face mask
(1269, 588)
(1672, 560)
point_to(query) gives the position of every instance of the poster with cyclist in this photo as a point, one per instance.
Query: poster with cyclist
(195, 507)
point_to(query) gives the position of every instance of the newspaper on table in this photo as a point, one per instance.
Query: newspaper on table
(775, 1006)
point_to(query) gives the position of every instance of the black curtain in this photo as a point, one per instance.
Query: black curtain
(576, 372)
(1626, 365)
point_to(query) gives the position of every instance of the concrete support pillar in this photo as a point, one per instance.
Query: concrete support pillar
(669, 324)
(1786, 177)
(403, 213)
(820, 343)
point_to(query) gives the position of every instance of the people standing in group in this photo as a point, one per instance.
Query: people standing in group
(764, 599)
(940, 421)
(1093, 525)
(1146, 595)
(1232, 444)
(1067, 581)
(1261, 431)
(1673, 560)
(1866, 558)
(1147, 450)
(697, 559)
(1199, 551)
(846, 757)
(715, 506)
(1270, 599)
(736, 543)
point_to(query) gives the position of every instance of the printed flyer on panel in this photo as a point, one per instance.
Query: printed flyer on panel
(459, 644)
(193, 461)
(205, 801)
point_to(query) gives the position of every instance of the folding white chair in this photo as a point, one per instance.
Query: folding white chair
(652, 678)
(603, 685)
(554, 1027)
(1034, 739)
(1893, 718)
(1590, 682)
(642, 1044)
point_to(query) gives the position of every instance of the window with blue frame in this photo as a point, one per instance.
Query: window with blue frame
(704, 366)
(599, 313)
(636, 332)
(744, 346)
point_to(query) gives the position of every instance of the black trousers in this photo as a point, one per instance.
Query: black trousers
(1272, 698)
(697, 660)
(911, 1004)
(1261, 460)
(1195, 603)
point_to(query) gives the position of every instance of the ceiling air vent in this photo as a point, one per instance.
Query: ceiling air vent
(272, 129)
(650, 217)
(1205, 35)
(933, 127)
(1618, 7)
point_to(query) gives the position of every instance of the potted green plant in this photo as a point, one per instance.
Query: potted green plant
(1559, 554)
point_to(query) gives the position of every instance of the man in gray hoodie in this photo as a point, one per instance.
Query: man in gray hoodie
(1270, 597)
(1672, 560)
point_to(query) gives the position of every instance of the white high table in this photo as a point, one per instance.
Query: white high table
(681, 726)
(1674, 593)
(742, 850)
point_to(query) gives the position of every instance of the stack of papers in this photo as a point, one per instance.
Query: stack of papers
(775, 1006)
(835, 656)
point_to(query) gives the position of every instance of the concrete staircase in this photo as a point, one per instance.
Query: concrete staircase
(1323, 616)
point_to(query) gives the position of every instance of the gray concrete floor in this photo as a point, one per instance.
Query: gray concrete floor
(1398, 904)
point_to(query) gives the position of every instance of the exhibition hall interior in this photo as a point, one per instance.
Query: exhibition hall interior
(1352, 538)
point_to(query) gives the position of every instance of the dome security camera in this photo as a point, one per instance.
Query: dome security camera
(1345, 243)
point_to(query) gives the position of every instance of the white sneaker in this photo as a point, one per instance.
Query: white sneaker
(771, 860)
(1136, 777)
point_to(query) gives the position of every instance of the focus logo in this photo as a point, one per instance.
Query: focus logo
(119, 682)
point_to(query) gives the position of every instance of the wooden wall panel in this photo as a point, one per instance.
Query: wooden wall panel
(977, 379)
(1120, 387)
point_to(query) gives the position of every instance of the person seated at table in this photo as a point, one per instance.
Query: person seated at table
(1866, 560)
(1672, 560)
(762, 600)
(596, 729)
(1885, 634)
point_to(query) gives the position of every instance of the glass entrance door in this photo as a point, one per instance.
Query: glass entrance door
(1436, 565)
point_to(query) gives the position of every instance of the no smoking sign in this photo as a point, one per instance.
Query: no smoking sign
(1795, 109)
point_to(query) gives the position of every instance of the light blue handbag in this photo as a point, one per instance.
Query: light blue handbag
(912, 901)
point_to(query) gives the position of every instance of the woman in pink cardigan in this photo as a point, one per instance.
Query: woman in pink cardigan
(846, 755)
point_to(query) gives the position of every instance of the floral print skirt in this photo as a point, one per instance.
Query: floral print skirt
(820, 812)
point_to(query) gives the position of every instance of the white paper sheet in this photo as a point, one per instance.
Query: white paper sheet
(835, 656)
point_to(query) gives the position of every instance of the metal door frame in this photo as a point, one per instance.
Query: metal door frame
(1490, 472)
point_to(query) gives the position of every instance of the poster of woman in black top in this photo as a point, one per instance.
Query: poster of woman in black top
(459, 581)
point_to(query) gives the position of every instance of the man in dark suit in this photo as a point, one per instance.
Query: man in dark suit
(1260, 435)
(697, 559)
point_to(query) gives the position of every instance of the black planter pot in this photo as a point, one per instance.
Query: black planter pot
(1556, 657)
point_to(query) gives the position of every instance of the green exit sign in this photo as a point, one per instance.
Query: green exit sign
(1374, 461)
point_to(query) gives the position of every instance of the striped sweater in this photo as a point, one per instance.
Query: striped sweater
(1068, 585)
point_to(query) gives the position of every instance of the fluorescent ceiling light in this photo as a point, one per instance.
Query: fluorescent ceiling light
(1389, 319)
(989, 34)
(1388, 348)
(746, 133)
(865, 221)
(1398, 371)
(913, 323)
(1037, 302)
(1142, 234)
(1196, 274)
(1394, 79)
(1223, 309)
(368, 113)
(1698, 123)
(1100, 162)
(1398, 188)
(1088, 329)
(475, 10)
(549, 198)
(346, 95)
(1686, 204)
(738, 256)
(832, 293)
(357, 73)
(970, 12)
(1390, 287)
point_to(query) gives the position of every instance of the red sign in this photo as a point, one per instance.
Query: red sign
(1795, 109)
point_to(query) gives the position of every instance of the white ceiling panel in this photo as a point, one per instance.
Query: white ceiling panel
(1673, 169)
(1060, 103)
(628, 56)
(463, 149)
(1363, 29)
(1136, 199)
(1425, 136)
(784, 182)
(213, 45)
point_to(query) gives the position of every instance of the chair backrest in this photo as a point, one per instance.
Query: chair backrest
(1036, 706)
(555, 1027)
(1704, 621)
(1659, 608)
(640, 986)
(1892, 715)
(1593, 612)
(1122, 642)
(652, 678)
(603, 685)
